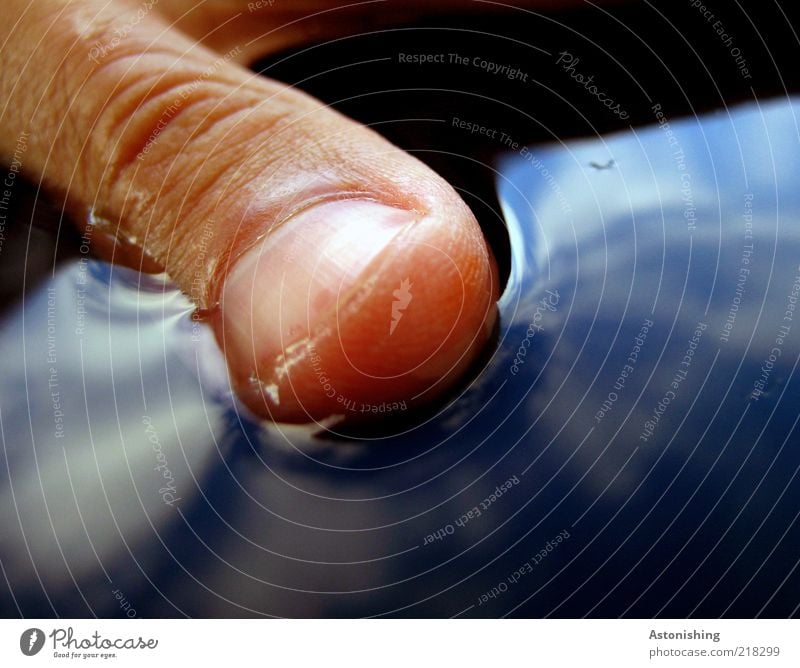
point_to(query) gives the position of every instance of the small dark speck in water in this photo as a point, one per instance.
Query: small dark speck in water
(598, 166)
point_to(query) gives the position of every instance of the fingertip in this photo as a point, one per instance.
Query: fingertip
(357, 309)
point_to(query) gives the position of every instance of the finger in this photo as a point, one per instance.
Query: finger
(338, 270)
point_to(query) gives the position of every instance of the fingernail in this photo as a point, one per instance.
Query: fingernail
(304, 270)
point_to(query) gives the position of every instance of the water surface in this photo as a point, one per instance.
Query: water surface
(629, 449)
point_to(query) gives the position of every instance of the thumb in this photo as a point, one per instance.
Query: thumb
(341, 275)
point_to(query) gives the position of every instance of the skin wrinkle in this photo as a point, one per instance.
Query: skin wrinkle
(181, 162)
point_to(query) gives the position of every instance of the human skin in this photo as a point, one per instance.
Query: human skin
(336, 269)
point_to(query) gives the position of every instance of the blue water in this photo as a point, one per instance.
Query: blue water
(631, 447)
